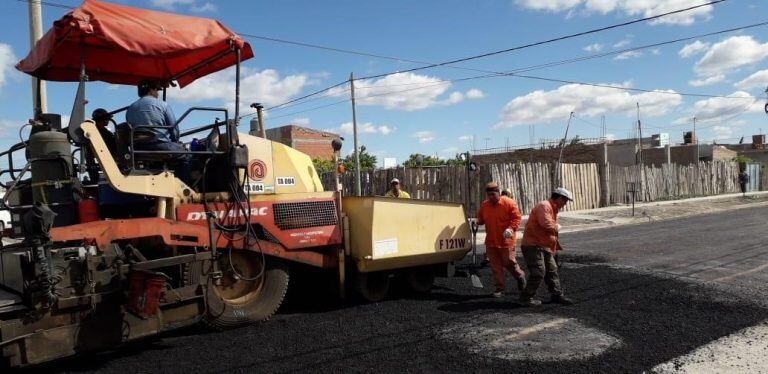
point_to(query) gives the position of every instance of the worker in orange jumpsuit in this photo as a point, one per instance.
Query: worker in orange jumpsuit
(540, 244)
(501, 218)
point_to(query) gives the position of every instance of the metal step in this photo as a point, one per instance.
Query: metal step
(8, 299)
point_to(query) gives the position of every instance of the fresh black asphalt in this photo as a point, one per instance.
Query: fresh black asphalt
(662, 289)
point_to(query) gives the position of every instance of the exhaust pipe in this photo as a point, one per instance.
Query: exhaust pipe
(257, 124)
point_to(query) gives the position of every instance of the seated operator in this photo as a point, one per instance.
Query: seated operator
(149, 110)
(101, 118)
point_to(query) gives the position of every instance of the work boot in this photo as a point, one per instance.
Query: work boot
(528, 302)
(520, 284)
(562, 300)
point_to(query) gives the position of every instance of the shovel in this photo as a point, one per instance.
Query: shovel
(473, 273)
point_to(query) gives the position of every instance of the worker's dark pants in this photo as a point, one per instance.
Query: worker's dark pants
(541, 266)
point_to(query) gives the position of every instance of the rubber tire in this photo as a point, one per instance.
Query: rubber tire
(222, 314)
(372, 287)
(420, 279)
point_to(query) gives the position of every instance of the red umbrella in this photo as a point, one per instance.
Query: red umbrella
(124, 45)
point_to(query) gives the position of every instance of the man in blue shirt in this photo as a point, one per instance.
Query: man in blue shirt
(149, 110)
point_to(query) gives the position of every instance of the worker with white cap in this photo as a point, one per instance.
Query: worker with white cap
(395, 190)
(540, 244)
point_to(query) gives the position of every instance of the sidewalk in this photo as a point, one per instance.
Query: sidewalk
(619, 215)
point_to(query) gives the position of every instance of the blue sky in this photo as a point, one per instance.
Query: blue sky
(421, 112)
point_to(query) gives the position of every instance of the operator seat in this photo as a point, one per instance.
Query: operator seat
(129, 162)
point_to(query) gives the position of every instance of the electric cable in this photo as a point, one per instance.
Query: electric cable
(451, 62)
(548, 41)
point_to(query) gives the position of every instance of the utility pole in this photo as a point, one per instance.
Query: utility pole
(643, 177)
(531, 140)
(562, 147)
(39, 97)
(602, 127)
(358, 180)
(695, 140)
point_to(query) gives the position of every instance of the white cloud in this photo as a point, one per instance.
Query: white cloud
(454, 98)
(693, 49)
(9, 129)
(727, 130)
(644, 8)
(7, 60)
(656, 52)
(720, 108)
(363, 128)
(192, 5)
(722, 132)
(593, 48)
(301, 121)
(707, 81)
(465, 138)
(756, 80)
(622, 43)
(424, 137)
(628, 54)
(730, 54)
(475, 93)
(171, 4)
(206, 7)
(266, 86)
(402, 91)
(588, 101)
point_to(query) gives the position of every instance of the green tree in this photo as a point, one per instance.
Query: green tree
(413, 161)
(323, 166)
(367, 160)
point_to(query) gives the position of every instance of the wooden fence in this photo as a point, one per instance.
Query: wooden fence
(450, 183)
(673, 181)
(529, 183)
(533, 182)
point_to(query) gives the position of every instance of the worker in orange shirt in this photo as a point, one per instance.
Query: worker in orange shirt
(540, 243)
(501, 218)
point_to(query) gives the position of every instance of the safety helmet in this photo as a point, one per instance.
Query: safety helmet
(564, 193)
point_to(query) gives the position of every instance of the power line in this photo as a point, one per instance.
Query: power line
(515, 72)
(668, 92)
(451, 62)
(47, 3)
(548, 41)
(653, 45)
(308, 95)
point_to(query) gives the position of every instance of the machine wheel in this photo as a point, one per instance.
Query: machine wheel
(420, 279)
(373, 286)
(242, 296)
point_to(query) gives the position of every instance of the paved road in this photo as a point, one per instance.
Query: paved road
(646, 295)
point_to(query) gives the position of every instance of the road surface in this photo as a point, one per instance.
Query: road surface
(654, 297)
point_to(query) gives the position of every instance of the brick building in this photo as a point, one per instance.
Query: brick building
(315, 143)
